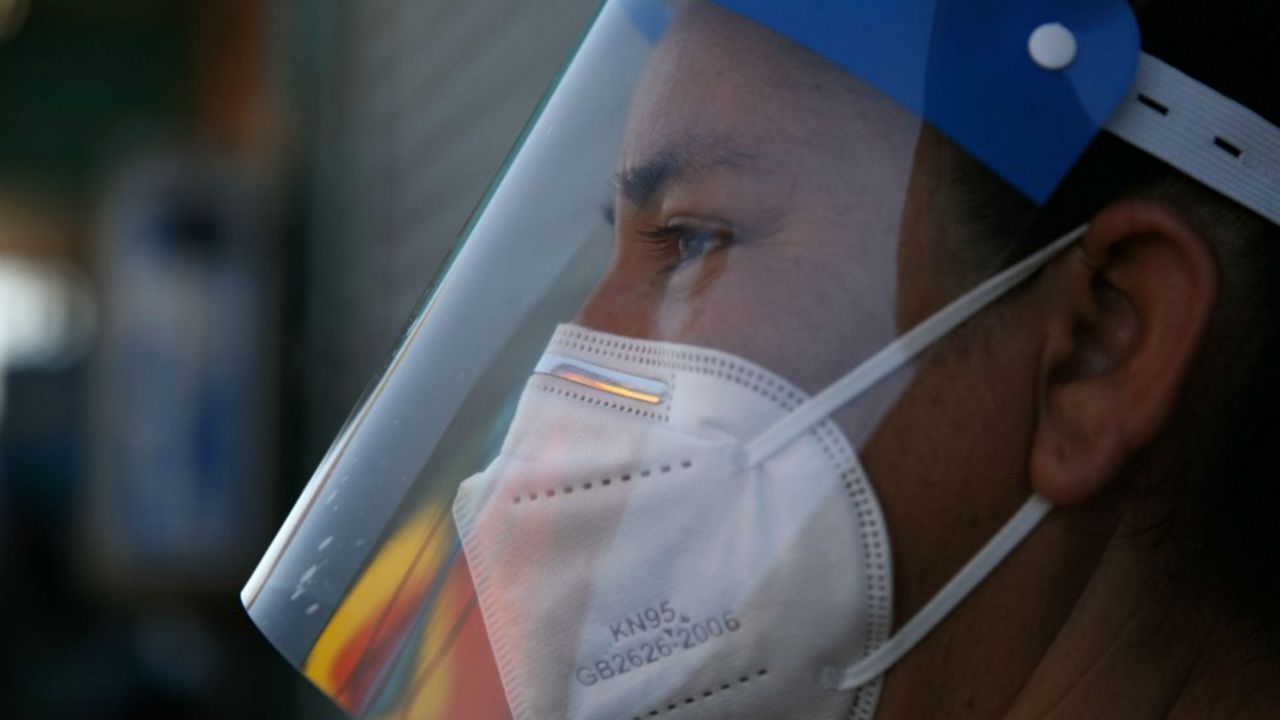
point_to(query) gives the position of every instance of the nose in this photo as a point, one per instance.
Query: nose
(621, 306)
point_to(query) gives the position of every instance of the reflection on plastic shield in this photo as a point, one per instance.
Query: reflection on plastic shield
(457, 366)
(365, 588)
(408, 641)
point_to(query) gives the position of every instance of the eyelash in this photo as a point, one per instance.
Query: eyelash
(671, 241)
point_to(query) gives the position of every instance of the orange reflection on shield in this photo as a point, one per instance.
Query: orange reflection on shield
(408, 641)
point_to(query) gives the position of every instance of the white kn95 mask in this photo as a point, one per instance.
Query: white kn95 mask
(669, 527)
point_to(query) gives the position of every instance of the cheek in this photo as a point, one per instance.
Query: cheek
(798, 307)
(949, 461)
(928, 281)
(967, 415)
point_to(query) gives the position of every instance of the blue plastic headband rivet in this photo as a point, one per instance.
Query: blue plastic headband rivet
(1052, 46)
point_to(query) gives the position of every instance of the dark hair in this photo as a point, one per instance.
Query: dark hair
(1219, 457)
(1222, 523)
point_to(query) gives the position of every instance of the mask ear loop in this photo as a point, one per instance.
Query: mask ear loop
(901, 351)
(957, 589)
(867, 375)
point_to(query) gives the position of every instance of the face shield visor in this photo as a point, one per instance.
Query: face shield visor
(624, 438)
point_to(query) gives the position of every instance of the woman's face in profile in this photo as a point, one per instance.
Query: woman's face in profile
(772, 206)
(760, 202)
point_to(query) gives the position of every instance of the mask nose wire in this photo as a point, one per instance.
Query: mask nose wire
(900, 352)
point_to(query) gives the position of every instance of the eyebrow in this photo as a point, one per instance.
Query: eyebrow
(674, 164)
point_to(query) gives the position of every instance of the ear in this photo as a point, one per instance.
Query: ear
(1130, 305)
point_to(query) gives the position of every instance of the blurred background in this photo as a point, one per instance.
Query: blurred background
(216, 217)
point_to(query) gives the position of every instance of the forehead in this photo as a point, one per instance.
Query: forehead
(721, 80)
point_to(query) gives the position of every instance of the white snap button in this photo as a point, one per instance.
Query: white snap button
(1052, 46)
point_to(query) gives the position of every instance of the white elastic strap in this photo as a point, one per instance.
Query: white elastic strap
(875, 369)
(991, 554)
(1201, 132)
(900, 352)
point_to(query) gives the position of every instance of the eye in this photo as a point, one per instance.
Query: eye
(695, 242)
(681, 242)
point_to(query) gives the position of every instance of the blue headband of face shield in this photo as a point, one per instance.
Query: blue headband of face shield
(967, 67)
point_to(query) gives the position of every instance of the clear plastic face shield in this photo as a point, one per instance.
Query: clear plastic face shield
(631, 455)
